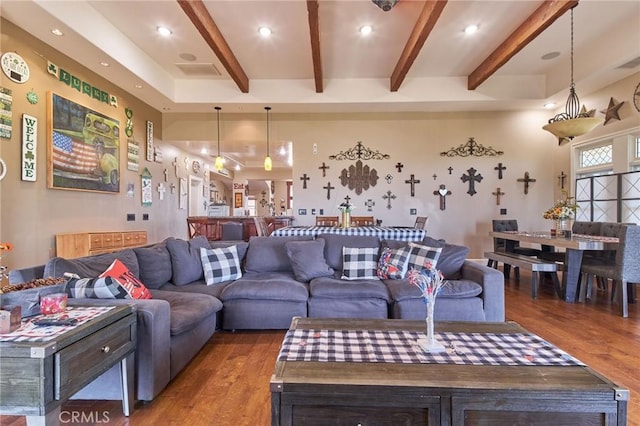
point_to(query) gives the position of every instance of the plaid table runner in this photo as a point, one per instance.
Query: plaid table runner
(382, 232)
(28, 332)
(401, 347)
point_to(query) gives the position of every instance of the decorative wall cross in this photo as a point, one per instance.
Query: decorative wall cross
(369, 205)
(497, 194)
(526, 181)
(175, 165)
(450, 169)
(161, 189)
(399, 167)
(412, 182)
(389, 196)
(358, 177)
(166, 176)
(324, 168)
(499, 168)
(173, 188)
(442, 192)
(435, 176)
(472, 178)
(562, 178)
(304, 180)
(388, 178)
(328, 188)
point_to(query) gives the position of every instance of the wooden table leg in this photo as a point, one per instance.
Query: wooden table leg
(571, 275)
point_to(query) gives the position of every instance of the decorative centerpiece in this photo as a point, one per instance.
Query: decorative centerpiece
(3, 269)
(346, 208)
(429, 280)
(561, 213)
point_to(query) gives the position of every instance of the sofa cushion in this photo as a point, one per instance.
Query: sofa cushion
(185, 259)
(421, 256)
(453, 289)
(266, 286)
(359, 263)
(90, 266)
(188, 310)
(393, 263)
(220, 264)
(269, 254)
(335, 288)
(132, 285)
(307, 259)
(334, 244)
(155, 265)
(198, 287)
(451, 260)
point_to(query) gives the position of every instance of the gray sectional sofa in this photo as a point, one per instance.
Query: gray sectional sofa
(282, 277)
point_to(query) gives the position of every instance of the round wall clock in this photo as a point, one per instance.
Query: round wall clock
(636, 97)
(196, 166)
(14, 67)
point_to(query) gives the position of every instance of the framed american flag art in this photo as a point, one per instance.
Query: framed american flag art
(83, 147)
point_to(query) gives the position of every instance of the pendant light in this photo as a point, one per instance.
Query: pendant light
(574, 121)
(267, 161)
(219, 164)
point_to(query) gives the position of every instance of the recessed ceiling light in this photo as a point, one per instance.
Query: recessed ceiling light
(365, 30)
(550, 55)
(264, 31)
(138, 86)
(237, 166)
(188, 57)
(550, 105)
(164, 31)
(204, 151)
(104, 64)
(56, 31)
(471, 29)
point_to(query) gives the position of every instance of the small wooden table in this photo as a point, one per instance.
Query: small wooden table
(329, 393)
(36, 377)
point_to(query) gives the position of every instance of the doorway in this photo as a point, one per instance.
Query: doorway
(197, 203)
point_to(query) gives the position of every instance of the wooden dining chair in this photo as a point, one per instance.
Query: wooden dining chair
(421, 222)
(262, 229)
(501, 245)
(362, 221)
(327, 221)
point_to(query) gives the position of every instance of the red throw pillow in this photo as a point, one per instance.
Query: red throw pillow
(127, 280)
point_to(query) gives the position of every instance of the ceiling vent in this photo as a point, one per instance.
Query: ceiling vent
(631, 64)
(194, 70)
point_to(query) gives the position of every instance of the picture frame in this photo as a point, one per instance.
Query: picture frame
(238, 200)
(83, 147)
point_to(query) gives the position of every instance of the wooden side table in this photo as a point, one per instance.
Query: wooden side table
(36, 377)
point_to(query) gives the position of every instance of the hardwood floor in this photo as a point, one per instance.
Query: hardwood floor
(228, 382)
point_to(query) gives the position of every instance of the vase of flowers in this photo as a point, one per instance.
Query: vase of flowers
(346, 208)
(3, 269)
(429, 281)
(562, 212)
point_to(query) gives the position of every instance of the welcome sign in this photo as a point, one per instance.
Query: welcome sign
(29, 147)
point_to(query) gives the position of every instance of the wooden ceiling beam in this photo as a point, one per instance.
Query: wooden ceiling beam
(314, 34)
(536, 23)
(202, 20)
(425, 23)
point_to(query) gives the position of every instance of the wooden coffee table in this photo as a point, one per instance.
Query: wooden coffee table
(330, 393)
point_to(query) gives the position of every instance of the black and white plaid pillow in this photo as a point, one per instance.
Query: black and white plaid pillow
(96, 288)
(220, 264)
(359, 263)
(420, 256)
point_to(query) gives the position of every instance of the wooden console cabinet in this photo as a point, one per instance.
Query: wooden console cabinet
(82, 244)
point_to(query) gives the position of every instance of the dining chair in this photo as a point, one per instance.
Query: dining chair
(623, 270)
(362, 221)
(262, 229)
(508, 246)
(421, 222)
(327, 221)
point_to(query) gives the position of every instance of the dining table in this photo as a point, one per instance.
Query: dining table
(574, 246)
(401, 233)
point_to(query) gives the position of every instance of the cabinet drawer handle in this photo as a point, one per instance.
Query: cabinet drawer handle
(105, 349)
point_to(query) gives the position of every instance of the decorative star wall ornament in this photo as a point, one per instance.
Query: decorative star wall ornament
(612, 112)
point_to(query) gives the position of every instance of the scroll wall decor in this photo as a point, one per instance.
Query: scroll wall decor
(471, 148)
(359, 152)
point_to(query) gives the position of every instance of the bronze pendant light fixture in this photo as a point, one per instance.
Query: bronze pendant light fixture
(267, 161)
